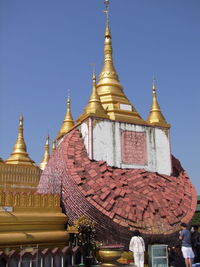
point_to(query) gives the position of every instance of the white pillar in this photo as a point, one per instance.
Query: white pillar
(90, 137)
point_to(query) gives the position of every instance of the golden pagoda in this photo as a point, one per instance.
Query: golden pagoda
(155, 116)
(53, 146)
(19, 155)
(94, 107)
(68, 122)
(46, 156)
(27, 217)
(19, 172)
(111, 92)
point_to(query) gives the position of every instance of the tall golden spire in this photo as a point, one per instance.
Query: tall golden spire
(111, 93)
(94, 107)
(19, 155)
(46, 156)
(68, 121)
(155, 116)
(53, 146)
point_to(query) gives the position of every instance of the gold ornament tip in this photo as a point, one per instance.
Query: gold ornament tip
(68, 122)
(19, 155)
(47, 140)
(156, 117)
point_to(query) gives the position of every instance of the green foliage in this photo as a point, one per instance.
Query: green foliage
(196, 219)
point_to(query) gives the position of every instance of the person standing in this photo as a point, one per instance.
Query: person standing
(137, 246)
(195, 237)
(186, 247)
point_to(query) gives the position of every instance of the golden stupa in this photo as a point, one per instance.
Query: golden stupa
(94, 107)
(155, 116)
(53, 146)
(111, 92)
(19, 172)
(68, 122)
(19, 155)
(46, 156)
(28, 218)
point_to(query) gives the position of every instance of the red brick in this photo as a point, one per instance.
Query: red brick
(105, 195)
(102, 162)
(112, 185)
(149, 192)
(92, 173)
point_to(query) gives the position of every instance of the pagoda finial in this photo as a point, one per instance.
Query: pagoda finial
(19, 155)
(53, 146)
(46, 156)
(94, 84)
(94, 107)
(156, 117)
(106, 11)
(68, 121)
(154, 83)
(68, 93)
(111, 92)
(68, 102)
(93, 68)
(21, 119)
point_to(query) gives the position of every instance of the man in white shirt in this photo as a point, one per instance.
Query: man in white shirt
(137, 246)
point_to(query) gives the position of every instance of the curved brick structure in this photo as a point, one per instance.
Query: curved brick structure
(119, 200)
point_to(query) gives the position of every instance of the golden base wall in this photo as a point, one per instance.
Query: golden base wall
(31, 218)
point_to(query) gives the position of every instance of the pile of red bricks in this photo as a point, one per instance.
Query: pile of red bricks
(119, 200)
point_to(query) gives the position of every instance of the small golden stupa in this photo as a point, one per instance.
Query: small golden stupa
(19, 172)
(19, 155)
(46, 156)
(53, 146)
(155, 116)
(94, 107)
(68, 122)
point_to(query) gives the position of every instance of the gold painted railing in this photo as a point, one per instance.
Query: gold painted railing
(34, 200)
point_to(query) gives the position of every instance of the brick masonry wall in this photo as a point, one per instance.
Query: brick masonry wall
(118, 200)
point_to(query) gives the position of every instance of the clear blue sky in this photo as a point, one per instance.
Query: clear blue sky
(47, 46)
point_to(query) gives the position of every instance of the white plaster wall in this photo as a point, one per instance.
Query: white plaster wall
(104, 143)
(151, 149)
(84, 131)
(163, 154)
(107, 145)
